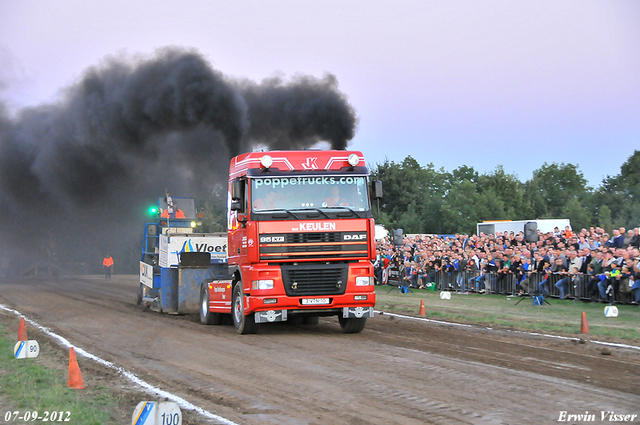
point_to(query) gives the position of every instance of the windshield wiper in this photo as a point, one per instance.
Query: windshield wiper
(278, 210)
(350, 209)
(307, 209)
(320, 211)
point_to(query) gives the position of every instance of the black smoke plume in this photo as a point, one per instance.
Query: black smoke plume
(76, 175)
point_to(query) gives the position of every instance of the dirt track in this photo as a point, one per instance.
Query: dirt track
(396, 371)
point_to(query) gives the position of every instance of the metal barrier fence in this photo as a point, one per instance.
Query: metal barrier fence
(576, 286)
(507, 283)
(579, 286)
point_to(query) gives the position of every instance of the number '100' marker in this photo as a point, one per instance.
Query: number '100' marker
(154, 413)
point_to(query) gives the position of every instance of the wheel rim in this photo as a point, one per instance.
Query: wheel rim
(237, 311)
(205, 304)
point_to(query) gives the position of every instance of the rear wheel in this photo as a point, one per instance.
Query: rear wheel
(243, 324)
(206, 316)
(352, 325)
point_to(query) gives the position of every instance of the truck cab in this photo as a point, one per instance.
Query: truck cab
(301, 238)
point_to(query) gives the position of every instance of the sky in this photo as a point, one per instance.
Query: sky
(477, 83)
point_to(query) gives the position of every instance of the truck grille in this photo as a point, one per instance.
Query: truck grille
(313, 237)
(316, 279)
(316, 245)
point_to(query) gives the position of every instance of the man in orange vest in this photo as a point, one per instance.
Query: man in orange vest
(178, 213)
(107, 263)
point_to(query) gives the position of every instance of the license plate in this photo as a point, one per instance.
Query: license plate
(315, 301)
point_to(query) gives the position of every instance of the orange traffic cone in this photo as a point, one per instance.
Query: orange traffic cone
(584, 327)
(22, 330)
(75, 377)
(422, 312)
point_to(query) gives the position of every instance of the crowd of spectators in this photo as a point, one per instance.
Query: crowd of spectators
(589, 264)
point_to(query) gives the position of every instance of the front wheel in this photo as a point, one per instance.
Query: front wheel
(206, 316)
(352, 325)
(243, 324)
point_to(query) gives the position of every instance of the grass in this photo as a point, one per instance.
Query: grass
(32, 385)
(562, 317)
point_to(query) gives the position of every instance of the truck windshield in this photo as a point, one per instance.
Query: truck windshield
(290, 193)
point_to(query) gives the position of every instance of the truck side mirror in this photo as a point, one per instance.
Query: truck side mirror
(236, 206)
(237, 195)
(237, 190)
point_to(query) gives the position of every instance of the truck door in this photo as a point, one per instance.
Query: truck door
(238, 212)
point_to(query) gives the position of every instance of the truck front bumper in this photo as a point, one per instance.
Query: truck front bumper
(271, 316)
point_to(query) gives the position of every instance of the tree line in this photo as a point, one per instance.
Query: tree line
(421, 199)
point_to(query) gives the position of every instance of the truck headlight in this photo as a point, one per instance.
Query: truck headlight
(262, 284)
(364, 280)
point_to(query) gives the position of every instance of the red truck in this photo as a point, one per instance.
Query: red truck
(300, 241)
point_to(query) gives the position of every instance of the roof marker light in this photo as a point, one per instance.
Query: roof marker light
(353, 159)
(266, 161)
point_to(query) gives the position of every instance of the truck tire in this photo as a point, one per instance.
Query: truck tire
(206, 316)
(352, 325)
(243, 324)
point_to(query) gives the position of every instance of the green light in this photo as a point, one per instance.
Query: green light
(153, 210)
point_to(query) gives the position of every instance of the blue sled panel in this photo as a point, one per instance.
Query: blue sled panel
(190, 281)
(189, 289)
(169, 290)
